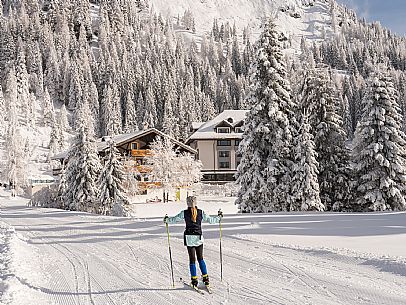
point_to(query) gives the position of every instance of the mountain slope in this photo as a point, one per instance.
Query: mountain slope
(296, 18)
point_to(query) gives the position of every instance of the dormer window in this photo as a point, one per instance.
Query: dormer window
(223, 130)
(238, 130)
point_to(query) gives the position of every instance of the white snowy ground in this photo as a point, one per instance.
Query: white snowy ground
(61, 257)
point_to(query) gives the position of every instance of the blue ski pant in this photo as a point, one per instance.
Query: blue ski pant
(193, 253)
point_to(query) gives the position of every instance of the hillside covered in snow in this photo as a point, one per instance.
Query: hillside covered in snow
(164, 64)
(296, 18)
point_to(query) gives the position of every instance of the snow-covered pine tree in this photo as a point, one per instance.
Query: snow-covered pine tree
(10, 95)
(15, 172)
(112, 199)
(61, 201)
(106, 110)
(130, 117)
(83, 167)
(265, 168)
(150, 116)
(54, 142)
(30, 114)
(63, 119)
(379, 149)
(346, 115)
(23, 93)
(48, 109)
(81, 174)
(52, 73)
(236, 58)
(319, 99)
(168, 118)
(3, 112)
(305, 186)
(188, 21)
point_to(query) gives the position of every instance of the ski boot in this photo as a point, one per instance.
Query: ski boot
(206, 279)
(194, 281)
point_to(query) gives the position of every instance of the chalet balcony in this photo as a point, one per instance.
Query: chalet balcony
(144, 169)
(57, 171)
(141, 152)
(133, 166)
(148, 184)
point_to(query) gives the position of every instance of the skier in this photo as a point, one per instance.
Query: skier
(193, 238)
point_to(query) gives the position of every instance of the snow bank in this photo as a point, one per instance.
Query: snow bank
(6, 234)
(19, 261)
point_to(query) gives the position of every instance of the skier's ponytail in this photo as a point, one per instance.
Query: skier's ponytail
(191, 203)
(194, 214)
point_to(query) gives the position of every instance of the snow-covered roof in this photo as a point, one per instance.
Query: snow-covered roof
(41, 177)
(207, 130)
(197, 125)
(102, 143)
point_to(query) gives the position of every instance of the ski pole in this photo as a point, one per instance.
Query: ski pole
(170, 255)
(221, 250)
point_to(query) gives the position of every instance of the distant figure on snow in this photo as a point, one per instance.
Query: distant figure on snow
(193, 238)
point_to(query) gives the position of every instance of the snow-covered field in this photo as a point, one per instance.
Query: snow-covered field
(60, 257)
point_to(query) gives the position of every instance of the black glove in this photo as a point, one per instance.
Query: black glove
(220, 214)
(166, 219)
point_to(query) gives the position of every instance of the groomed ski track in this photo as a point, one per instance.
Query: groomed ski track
(81, 259)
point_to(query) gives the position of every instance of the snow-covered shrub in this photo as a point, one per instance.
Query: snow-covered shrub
(46, 198)
(171, 168)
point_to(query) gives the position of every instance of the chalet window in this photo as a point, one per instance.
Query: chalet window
(224, 164)
(238, 129)
(223, 142)
(237, 142)
(134, 145)
(224, 154)
(223, 129)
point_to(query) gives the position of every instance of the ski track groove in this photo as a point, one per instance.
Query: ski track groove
(75, 273)
(89, 285)
(60, 282)
(61, 275)
(256, 295)
(111, 266)
(299, 272)
(333, 258)
(107, 299)
(86, 275)
(295, 274)
(108, 259)
(353, 292)
(254, 289)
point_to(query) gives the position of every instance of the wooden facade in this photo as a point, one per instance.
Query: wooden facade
(134, 148)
